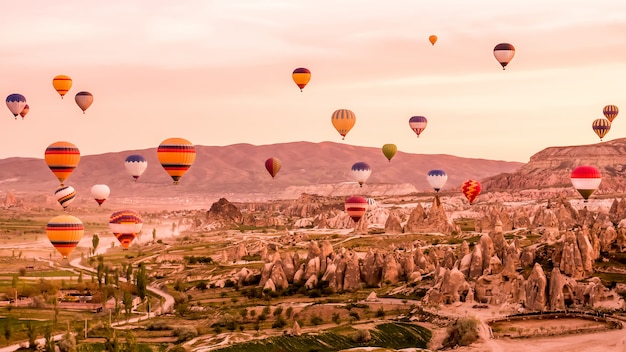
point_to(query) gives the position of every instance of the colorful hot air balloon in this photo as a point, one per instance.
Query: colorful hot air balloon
(361, 171)
(135, 165)
(504, 53)
(16, 103)
(601, 127)
(64, 232)
(100, 193)
(343, 120)
(610, 112)
(25, 111)
(62, 158)
(125, 225)
(62, 84)
(586, 179)
(432, 39)
(84, 100)
(437, 179)
(471, 190)
(389, 150)
(356, 206)
(301, 76)
(418, 124)
(272, 165)
(176, 155)
(65, 195)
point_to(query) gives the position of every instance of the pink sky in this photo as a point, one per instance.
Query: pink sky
(219, 73)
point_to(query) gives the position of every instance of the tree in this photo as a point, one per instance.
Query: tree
(31, 332)
(462, 333)
(131, 342)
(128, 304)
(154, 235)
(95, 241)
(141, 281)
(8, 331)
(67, 343)
(49, 343)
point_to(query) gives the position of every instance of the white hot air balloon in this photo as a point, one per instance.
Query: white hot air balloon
(361, 171)
(100, 193)
(135, 165)
(437, 179)
(65, 195)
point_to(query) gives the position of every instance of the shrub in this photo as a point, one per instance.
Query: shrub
(316, 320)
(463, 333)
(361, 335)
(185, 333)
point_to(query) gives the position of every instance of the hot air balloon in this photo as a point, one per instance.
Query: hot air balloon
(418, 124)
(125, 225)
(62, 84)
(84, 100)
(389, 150)
(176, 155)
(272, 165)
(471, 190)
(432, 39)
(361, 171)
(504, 53)
(16, 103)
(586, 180)
(356, 206)
(301, 76)
(100, 193)
(437, 179)
(135, 165)
(343, 120)
(371, 203)
(62, 158)
(25, 111)
(610, 112)
(65, 195)
(601, 127)
(64, 232)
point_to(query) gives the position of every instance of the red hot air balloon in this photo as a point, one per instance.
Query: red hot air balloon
(125, 225)
(356, 206)
(471, 190)
(586, 179)
(272, 165)
(418, 124)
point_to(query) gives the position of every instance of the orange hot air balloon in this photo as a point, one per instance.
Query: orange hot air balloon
(272, 165)
(609, 111)
(176, 155)
(356, 206)
(64, 232)
(471, 190)
(343, 120)
(84, 100)
(62, 84)
(25, 111)
(62, 158)
(125, 225)
(301, 76)
(432, 39)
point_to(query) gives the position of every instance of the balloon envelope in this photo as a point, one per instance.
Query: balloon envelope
(125, 225)
(356, 206)
(601, 127)
(504, 53)
(83, 100)
(432, 39)
(62, 84)
(418, 124)
(343, 120)
(361, 171)
(16, 103)
(610, 112)
(62, 158)
(272, 165)
(389, 150)
(65, 195)
(135, 165)
(100, 193)
(586, 179)
(471, 190)
(64, 232)
(437, 179)
(176, 156)
(301, 76)
(25, 111)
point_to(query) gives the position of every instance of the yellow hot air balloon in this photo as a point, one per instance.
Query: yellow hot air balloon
(62, 158)
(432, 39)
(176, 155)
(389, 150)
(64, 232)
(62, 84)
(343, 120)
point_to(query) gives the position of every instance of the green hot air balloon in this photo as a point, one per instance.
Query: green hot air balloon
(389, 150)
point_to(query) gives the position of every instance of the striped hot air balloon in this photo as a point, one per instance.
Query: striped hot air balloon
(610, 112)
(64, 232)
(65, 195)
(62, 158)
(504, 53)
(418, 124)
(586, 179)
(601, 127)
(471, 190)
(84, 100)
(437, 179)
(361, 171)
(301, 76)
(272, 165)
(62, 84)
(343, 120)
(125, 225)
(100, 193)
(135, 165)
(356, 206)
(176, 155)
(16, 103)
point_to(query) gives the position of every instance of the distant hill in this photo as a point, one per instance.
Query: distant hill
(237, 172)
